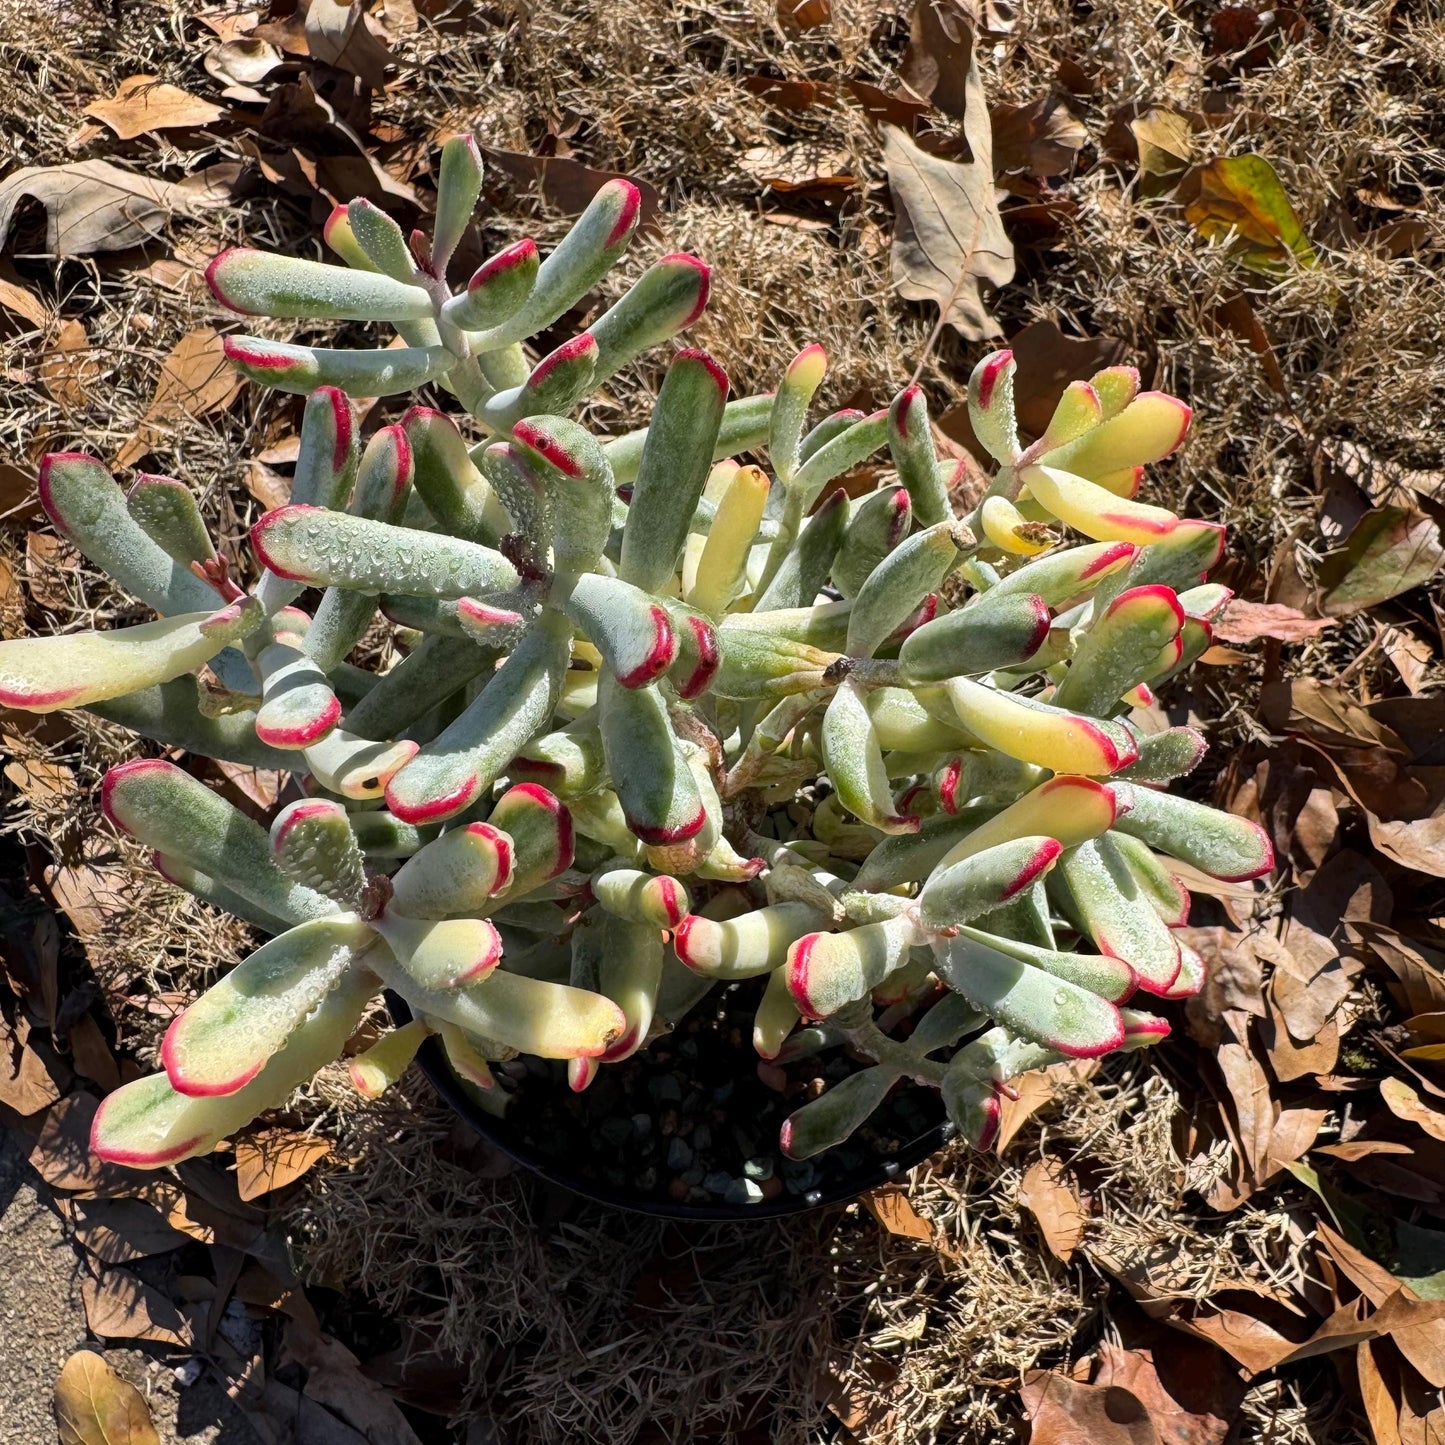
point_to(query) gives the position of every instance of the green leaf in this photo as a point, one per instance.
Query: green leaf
(1241, 199)
(1391, 550)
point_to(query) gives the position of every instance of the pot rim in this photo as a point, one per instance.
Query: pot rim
(434, 1066)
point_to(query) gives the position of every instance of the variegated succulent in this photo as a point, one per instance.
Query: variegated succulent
(661, 719)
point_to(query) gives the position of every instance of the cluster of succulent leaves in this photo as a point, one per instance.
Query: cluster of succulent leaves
(665, 720)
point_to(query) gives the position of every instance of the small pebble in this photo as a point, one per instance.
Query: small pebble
(694, 1173)
(188, 1373)
(616, 1131)
(702, 1137)
(743, 1191)
(678, 1189)
(760, 1168)
(717, 1182)
(642, 1125)
(772, 1187)
(723, 1092)
(665, 1089)
(679, 1156)
(772, 1076)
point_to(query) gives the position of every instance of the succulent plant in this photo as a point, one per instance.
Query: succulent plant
(664, 719)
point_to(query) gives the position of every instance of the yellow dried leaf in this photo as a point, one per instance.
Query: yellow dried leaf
(94, 1406)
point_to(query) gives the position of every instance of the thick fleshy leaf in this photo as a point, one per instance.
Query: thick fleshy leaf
(672, 469)
(629, 973)
(568, 762)
(1010, 531)
(994, 631)
(464, 1058)
(579, 488)
(633, 633)
(1141, 1030)
(1110, 978)
(803, 376)
(1118, 650)
(555, 385)
(460, 872)
(147, 1124)
(1062, 575)
(298, 707)
(459, 185)
(587, 252)
(667, 298)
(649, 898)
(329, 452)
(880, 522)
(368, 372)
(1078, 410)
(776, 1018)
(167, 513)
(446, 479)
(1148, 428)
(910, 442)
(1029, 1002)
(356, 767)
(833, 1116)
(312, 843)
(540, 828)
(991, 406)
(854, 760)
(957, 893)
(832, 425)
(903, 723)
(334, 548)
(383, 836)
(753, 943)
(443, 953)
(375, 1070)
(1095, 511)
(1193, 972)
(498, 289)
(895, 586)
(699, 651)
(257, 283)
(451, 772)
(968, 777)
(206, 888)
(1070, 810)
(170, 714)
(532, 1015)
(1180, 560)
(744, 428)
(756, 663)
(86, 506)
(430, 673)
(805, 568)
(42, 674)
(828, 970)
(381, 239)
(167, 809)
(1166, 894)
(722, 566)
(337, 232)
(1224, 846)
(1112, 909)
(1035, 732)
(658, 793)
(224, 1039)
(1165, 756)
(840, 454)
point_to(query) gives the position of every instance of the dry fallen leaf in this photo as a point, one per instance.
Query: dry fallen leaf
(1391, 550)
(195, 379)
(337, 35)
(69, 368)
(95, 206)
(239, 63)
(116, 1231)
(23, 303)
(273, 1158)
(948, 237)
(118, 1306)
(145, 103)
(94, 1406)
(1048, 1194)
(890, 1206)
(1248, 621)
(1404, 1103)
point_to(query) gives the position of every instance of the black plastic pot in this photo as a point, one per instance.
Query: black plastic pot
(501, 1135)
